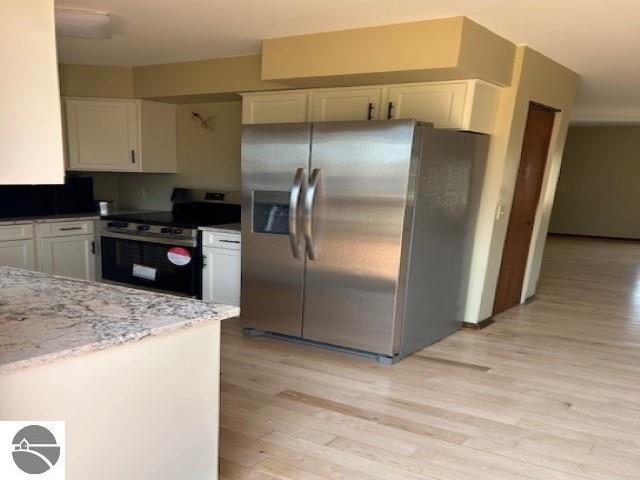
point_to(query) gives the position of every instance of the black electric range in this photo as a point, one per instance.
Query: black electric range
(161, 250)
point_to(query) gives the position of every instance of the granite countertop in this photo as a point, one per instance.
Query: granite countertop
(233, 228)
(45, 317)
(50, 218)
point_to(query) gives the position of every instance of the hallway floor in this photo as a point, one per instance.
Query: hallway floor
(550, 391)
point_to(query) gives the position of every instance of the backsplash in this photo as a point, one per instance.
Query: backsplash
(74, 196)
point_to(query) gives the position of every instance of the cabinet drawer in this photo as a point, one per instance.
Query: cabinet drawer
(64, 229)
(16, 232)
(221, 240)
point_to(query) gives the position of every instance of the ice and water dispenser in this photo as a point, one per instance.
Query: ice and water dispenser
(271, 212)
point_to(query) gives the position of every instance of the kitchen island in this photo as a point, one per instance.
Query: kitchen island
(134, 374)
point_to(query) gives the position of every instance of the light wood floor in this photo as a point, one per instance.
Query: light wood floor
(551, 391)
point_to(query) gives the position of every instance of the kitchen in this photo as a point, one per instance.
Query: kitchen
(159, 183)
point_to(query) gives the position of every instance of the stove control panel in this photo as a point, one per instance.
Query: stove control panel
(149, 232)
(122, 225)
(171, 231)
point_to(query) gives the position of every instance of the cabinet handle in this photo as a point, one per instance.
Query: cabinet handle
(390, 111)
(229, 241)
(370, 111)
(64, 229)
(93, 247)
(133, 156)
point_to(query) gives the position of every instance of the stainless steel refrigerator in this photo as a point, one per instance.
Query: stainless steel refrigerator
(355, 234)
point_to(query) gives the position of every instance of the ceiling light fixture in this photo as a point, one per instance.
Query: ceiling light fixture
(82, 23)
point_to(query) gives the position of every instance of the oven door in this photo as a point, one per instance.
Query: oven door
(166, 266)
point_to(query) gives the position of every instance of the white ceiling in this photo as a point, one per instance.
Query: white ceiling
(598, 39)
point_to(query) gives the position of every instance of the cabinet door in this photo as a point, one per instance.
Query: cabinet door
(18, 253)
(221, 276)
(345, 104)
(103, 134)
(441, 103)
(71, 256)
(275, 108)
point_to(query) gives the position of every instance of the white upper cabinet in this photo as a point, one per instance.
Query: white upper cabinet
(120, 135)
(275, 107)
(441, 104)
(31, 134)
(345, 104)
(102, 135)
(463, 105)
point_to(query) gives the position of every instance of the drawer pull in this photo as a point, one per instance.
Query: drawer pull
(70, 228)
(229, 241)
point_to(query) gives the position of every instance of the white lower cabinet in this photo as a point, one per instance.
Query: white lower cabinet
(17, 253)
(221, 268)
(64, 248)
(71, 256)
(17, 247)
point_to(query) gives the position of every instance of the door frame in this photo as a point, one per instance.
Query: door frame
(536, 218)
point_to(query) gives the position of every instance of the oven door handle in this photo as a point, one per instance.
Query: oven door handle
(150, 239)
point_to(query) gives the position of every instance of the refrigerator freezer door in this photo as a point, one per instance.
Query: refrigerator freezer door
(357, 221)
(275, 162)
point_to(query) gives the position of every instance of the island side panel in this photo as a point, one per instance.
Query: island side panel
(148, 409)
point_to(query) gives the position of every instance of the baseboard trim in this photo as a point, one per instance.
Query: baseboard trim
(593, 237)
(480, 325)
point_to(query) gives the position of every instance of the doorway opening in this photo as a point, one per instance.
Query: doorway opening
(533, 161)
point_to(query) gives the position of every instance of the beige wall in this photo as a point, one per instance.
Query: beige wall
(440, 49)
(96, 81)
(598, 192)
(539, 79)
(206, 77)
(206, 159)
(425, 45)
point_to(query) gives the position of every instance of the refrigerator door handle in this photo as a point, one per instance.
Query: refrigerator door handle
(294, 202)
(307, 212)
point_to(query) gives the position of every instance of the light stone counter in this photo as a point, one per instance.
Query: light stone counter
(135, 372)
(63, 217)
(44, 317)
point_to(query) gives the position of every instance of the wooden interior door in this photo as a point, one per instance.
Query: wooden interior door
(533, 159)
